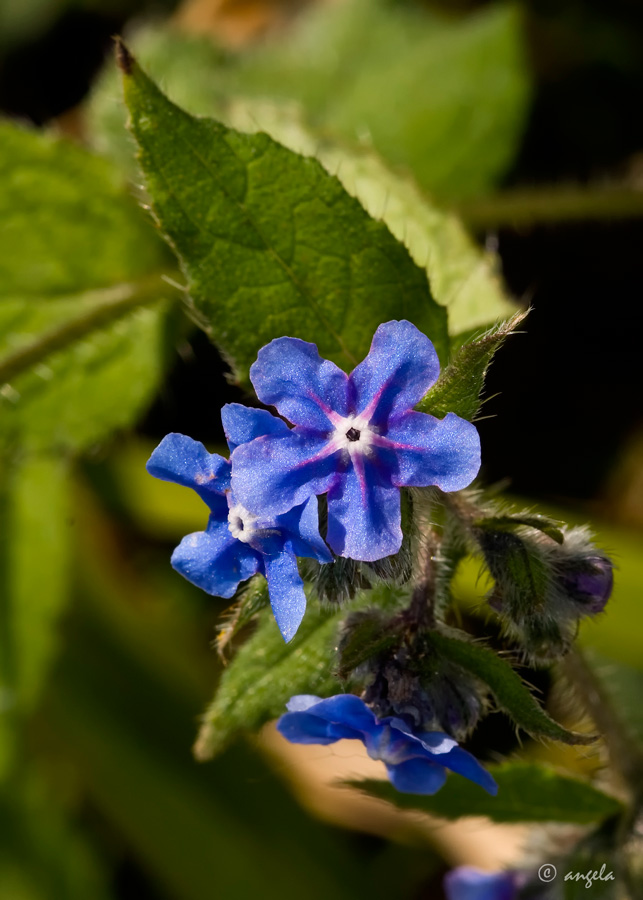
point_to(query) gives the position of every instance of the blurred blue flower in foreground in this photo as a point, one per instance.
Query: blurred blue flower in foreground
(468, 883)
(237, 544)
(356, 437)
(416, 763)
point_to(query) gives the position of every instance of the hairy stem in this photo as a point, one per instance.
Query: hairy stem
(421, 609)
(623, 750)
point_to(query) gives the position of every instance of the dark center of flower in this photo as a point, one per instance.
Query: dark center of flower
(353, 434)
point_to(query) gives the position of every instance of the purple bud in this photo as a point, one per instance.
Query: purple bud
(590, 583)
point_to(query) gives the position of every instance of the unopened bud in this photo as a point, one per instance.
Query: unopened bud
(589, 583)
(427, 689)
(543, 585)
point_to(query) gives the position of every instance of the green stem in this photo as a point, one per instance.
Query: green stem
(624, 753)
(109, 304)
(550, 204)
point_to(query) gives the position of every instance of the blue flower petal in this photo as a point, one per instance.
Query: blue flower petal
(301, 526)
(304, 728)
(429, 451)
(291, 375)
(272, 474)
(349, 710)
(364, 513)
(302, 702)
(468, 883)
(286, 591)
(182, 460)
(458, 760)
(412, 765)
(243, 423)
(214, 561)
(435, 742)
(400, 368)
(417, 776)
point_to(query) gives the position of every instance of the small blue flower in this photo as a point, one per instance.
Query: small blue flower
(416, 763)
(469, 883)
(236, 543)
(356, 437)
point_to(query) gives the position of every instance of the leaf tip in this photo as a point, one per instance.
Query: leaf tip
(202, 749)
(124, 58)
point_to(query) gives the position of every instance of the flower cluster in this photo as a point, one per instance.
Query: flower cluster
(355, 438)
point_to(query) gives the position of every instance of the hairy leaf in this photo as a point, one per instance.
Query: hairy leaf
(251, 598)
(270, 242)
(462, 277)
(266, 673)
(460, 384)
(510, 692)
(527, 792)
(509, 521)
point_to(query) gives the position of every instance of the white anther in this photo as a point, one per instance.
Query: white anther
(241, 523)
(353, 434)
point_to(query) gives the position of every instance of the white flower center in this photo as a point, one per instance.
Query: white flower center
(353, 434)
(241, 523)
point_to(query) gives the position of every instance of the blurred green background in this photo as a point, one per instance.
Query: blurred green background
(523, 119)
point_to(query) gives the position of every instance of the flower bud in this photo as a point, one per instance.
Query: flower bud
(406, 676)
(544, 586)
(589, 583)
(434, 695)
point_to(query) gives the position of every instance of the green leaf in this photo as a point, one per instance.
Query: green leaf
(271, 243)
(548, 526)
(443, 98)
(611, 692)
(460, 384)
(66, 222)
(509, 691)
(527, 792)
(251, 599)
(266, 673)
(462, 277)
(80, 354)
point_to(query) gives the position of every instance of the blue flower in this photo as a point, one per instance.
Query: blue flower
(356, 437)
(468, 883)
(236, 543)
(416, 763)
